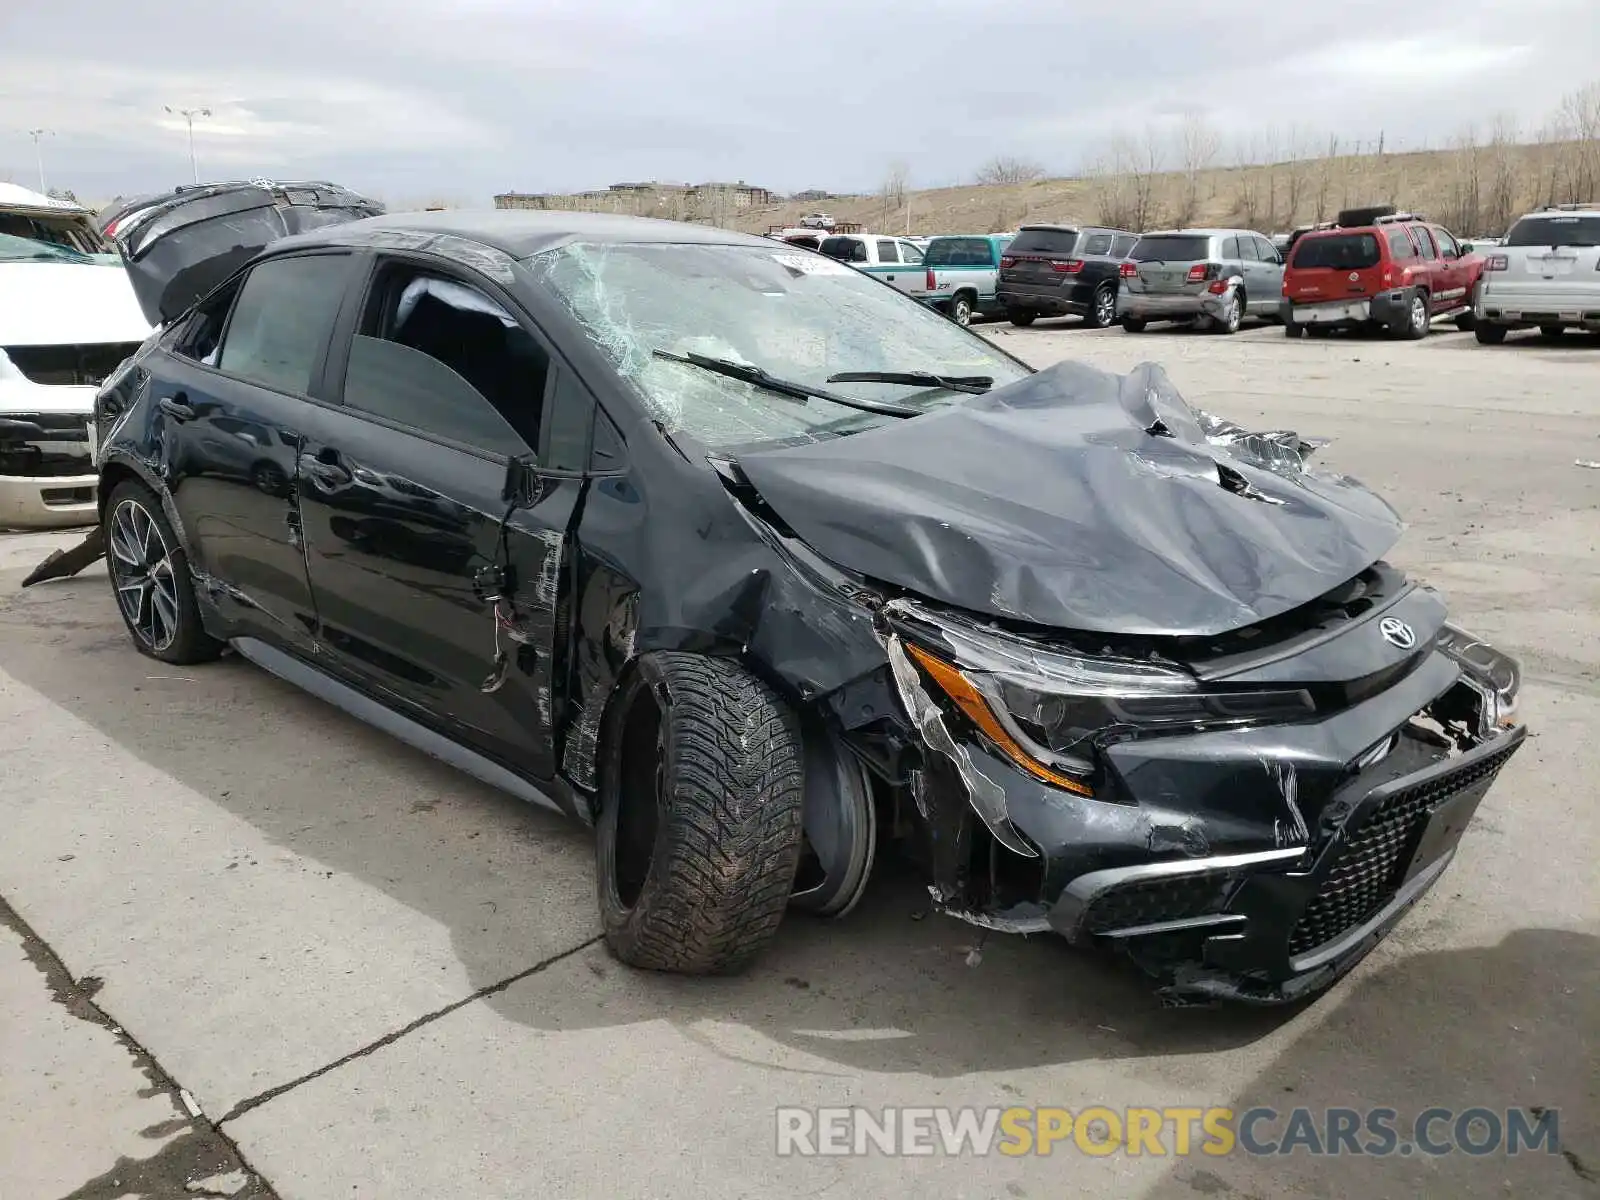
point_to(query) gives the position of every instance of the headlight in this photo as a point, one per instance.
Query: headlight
(1496, 677)
(1048, 712)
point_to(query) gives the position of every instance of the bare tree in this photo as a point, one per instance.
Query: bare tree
(1464, 200)
(1008, 170)
(1247, 199)
(1198, 144)
(1325, 172)
(1297, 173)
(1578, 121)
(1504, 179)
(893, 191)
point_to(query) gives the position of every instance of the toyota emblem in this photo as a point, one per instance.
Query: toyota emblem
(1397, 633)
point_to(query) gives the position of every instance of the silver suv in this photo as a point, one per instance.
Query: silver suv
(1215, 275)
(1547, 274)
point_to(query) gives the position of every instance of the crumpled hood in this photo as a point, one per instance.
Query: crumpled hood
(1081, 499)
(65, 303)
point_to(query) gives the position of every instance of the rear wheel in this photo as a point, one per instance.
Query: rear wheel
(1551, 331)
(1102, 313)
(1232, 315)
(1134, 324)
(1291, 330)
(1318, 331)
(701, 815)
(1466, 321)
(1418, 318)
(961, 309)
(1489, 335)
(1018, 317)
(150, 579)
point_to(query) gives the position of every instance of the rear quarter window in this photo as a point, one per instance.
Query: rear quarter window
(1337, 251)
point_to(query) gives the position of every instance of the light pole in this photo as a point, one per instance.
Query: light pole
(38, 153)
(189, 114)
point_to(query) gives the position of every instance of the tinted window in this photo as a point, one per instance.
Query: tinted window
(1425, 240)
(845, 249)
(1171, 248)
(959, 252)
(909, 253)
(887, 252)
(1096, 243)
(201, 334)
(1556, 230)
(1044, 241)
(1230, 249)
(448, 360)
(285, 310)
(1339, 251)
(1123, 244)
(1265, 250)
(1400, 245)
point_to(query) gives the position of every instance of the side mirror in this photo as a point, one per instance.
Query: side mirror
(1466, 248)
(522, 484)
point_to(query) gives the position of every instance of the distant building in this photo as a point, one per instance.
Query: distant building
(680, 201)
(813, 194)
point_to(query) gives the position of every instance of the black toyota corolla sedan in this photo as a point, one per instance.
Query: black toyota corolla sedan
(762, 568)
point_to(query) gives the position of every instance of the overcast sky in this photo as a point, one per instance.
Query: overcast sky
(454, 100)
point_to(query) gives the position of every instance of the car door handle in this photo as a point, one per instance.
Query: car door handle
(328, 470)
(175, 406)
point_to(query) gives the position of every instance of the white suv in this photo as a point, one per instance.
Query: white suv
(1546, 274)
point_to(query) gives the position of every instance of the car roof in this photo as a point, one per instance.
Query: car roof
(520, 233)
(1197, 232)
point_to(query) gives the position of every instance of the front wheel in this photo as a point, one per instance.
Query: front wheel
(1489, 335)
(150, 578)
(701, 815)
(1291, 330)
(1134, 324)
(1018, 317)
(1103, 312)
(961, 310)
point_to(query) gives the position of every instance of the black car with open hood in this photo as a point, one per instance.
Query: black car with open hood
(760, 567)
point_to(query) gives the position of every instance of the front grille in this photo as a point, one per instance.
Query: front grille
(85, 364)
(1154, 901)
(1368, 869)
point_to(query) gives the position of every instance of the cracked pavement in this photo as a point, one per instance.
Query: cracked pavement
(374, 977)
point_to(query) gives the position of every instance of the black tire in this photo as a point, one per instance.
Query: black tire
(1291, 330)
(1363, 216)
(961, 309)
(1318, 331)
(701, 812)
(1233, 316)
(1419, 317)
(1134, 324)
(1489, 335)
(150, 580)
(1466, 321)
(1551, 332)
(1102, 312)
(1018, 317)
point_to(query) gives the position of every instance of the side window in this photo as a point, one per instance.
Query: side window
(285, 310)
(887, 252)
(1097, 243)
(1266, 251)
(1230, 249)
(1447, 244)
(909, 253)
(439, 356)
(857, 251)
(1400, 246)
(1123, 245)
(1425, 240)
(200, 336)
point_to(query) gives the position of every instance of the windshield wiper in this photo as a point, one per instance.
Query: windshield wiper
(746, 373)
(971, 384)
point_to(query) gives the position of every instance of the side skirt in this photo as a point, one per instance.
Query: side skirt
(364, 708)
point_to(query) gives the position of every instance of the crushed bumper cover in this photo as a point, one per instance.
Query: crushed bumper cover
(1155, 307)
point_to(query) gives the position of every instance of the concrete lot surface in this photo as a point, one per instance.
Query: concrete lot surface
(380, 979)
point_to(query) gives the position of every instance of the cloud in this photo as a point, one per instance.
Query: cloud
(418, 99)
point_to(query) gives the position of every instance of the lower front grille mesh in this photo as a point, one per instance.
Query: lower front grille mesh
(1366, 873)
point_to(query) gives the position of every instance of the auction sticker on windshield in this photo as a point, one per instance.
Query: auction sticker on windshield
(811, 264)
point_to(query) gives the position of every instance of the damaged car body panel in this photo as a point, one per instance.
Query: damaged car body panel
(1105, 665)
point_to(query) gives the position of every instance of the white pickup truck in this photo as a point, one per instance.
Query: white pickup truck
(1546, 275)
(895, 260)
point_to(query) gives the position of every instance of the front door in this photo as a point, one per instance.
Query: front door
(407, 534)
(231, 396)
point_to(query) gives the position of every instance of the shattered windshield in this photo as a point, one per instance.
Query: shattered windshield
(27, 249)
(798, 316)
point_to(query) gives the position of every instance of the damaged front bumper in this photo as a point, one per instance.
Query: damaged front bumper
(1252, 861)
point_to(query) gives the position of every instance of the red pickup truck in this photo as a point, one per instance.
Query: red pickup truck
(1393, 271)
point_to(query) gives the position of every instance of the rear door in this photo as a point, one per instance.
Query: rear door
(442, 383)
(1263, 273)
(915, 276)
(1170, 264)
(233, 396)
(888, 267)
(1453, 269)
(1340, 265)
(1431, 269)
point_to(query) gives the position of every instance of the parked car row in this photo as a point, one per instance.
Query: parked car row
(1373, 269)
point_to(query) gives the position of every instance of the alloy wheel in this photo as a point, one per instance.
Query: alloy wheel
(1419, 314)
(1105, 307)
(142, 571)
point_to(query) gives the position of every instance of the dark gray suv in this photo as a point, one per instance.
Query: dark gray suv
(1063, 270)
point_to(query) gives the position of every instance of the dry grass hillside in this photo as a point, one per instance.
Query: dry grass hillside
(1475, 190)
